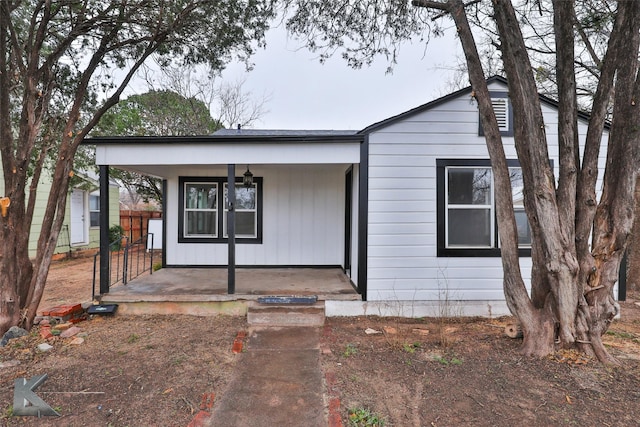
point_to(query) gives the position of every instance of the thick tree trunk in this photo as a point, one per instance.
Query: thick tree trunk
(556, 267)
(571, 280)
(633, 251)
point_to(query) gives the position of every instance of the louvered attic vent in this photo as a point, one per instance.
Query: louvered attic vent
(501, 109)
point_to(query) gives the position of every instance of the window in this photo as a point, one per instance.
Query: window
(504, 114)
(203, 217)
(201, 209)
(94, 210)
(246, 211)
(466, 208)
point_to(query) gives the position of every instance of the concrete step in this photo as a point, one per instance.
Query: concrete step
(285, 314)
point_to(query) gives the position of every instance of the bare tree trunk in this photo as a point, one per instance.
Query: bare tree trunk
(537, 324)
(553, 252)
(633, 251)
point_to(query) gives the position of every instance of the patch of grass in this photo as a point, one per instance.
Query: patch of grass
(157, 266)
(621, 334)
(455, 361)
(362, 417)
(411, 348)
(450, 361)
(8, 412)
(177, 361)
(350, 350)
(133, 338)
(18, 344)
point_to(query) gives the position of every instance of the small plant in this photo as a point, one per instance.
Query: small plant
(7, 413)
(116, 233)
(362, 417)
(350, 350)
(451, 361)
(441, 359)
(133, 338)
(157, 266)
(411, 348)
(178, 360)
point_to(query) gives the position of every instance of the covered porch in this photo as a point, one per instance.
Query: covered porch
(300, 231)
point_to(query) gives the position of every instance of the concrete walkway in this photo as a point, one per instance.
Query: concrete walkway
(277, 382)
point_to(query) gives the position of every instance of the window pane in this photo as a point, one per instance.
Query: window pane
(245, 224)
(469, 228)
(469, 186)
(524, 231)
(201, 196)
(245, 197)
(201, 223)
(94, 203)
(94, 219)
(517, 186)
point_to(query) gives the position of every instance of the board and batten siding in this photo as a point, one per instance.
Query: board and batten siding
(303, 218)
(402, 220)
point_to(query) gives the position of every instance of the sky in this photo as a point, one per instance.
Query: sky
(302, 93)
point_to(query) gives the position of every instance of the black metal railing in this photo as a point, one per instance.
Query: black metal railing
(126, 260)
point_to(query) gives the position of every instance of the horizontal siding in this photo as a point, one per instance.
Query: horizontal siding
(402, 261)
(447, 297)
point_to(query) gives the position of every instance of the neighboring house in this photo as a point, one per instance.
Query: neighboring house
(82, 215)
(81, 227)
(405, 206)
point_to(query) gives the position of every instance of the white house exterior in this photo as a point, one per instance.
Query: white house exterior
(404, 206)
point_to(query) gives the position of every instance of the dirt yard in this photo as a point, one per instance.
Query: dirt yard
(153, 370)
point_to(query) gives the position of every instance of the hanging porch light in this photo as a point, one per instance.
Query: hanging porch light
(247, 180)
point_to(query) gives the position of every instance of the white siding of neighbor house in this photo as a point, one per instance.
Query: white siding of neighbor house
(303, 218)
(402, 246)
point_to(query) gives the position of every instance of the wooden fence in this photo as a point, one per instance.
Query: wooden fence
(135, 223)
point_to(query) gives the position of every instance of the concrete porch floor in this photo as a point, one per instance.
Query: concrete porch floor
(201, 290)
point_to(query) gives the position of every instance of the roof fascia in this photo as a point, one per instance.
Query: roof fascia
(231, 139)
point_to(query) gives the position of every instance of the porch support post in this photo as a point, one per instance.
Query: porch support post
(231, 228)
(104, 229)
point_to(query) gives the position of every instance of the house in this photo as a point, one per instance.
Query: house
(81, 226)
(405, 207)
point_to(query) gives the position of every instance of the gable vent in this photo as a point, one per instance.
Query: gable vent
(501, 109)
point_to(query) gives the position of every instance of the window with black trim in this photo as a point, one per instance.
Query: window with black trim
(503, 111)
(466, 208)
(204, 208)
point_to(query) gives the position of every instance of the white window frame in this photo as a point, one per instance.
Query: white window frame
(94, 196)
(449, 207)
(186, 210)
(254, 235)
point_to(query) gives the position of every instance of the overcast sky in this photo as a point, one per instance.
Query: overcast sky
(304, 94)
